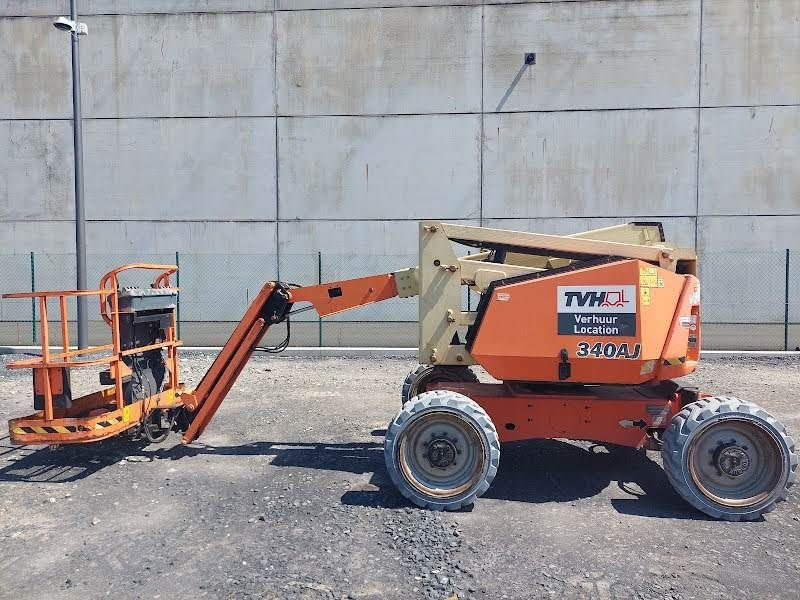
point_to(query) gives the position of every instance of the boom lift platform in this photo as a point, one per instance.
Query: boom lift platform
(584, 334)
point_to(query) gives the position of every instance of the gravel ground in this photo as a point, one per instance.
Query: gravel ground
(287, 496)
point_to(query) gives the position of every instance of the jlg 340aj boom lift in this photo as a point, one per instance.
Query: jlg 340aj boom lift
(584, 334)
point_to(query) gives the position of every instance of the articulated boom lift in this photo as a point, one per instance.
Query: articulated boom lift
(584, 335)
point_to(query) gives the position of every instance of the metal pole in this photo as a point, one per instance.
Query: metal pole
(319, 280)
(786, 306)
(80, 216)
(178, 299)
(33, 300)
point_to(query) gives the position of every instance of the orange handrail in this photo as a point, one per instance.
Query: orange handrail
(107, 291)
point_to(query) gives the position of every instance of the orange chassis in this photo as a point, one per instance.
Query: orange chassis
(619, 414)
(624, 415)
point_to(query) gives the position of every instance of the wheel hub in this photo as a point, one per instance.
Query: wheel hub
(732, 460)
(441, 453)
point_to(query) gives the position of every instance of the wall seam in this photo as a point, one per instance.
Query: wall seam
(483, 114)
(417, 114)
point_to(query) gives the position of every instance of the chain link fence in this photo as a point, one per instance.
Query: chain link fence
(750, 298)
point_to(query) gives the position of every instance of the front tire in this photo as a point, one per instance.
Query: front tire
(442, 450)
(729, 458)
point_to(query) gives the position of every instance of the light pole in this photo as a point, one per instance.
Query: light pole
(77, 29)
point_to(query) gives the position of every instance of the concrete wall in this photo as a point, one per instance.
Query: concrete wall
(289, 127)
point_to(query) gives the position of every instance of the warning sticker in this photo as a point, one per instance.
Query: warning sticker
(600, 310)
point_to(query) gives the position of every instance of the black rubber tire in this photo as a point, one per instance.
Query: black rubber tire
(458, 405)
(418, 379)
(698, 417)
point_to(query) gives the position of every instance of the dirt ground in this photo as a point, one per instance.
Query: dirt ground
(287, 497)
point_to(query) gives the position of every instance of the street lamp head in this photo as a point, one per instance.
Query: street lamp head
(64, 24)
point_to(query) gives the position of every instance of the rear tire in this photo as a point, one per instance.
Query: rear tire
(729, 458)
(418, 380)
(442, 450)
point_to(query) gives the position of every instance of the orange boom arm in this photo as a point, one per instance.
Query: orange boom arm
(273, 305)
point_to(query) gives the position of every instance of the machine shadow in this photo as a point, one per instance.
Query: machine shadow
(535, 471)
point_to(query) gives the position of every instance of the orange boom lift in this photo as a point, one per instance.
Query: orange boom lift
(584, 336)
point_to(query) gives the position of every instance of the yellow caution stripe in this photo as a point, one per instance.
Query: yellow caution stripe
(674, 362)
(46, 429)
(108, 422)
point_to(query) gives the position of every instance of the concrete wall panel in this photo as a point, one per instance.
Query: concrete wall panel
(591, 164)
(379, 61)
(678, 230)
(593, 54)
(403, 167)
(35, 79)
(178, 65)
(22, 8)
(33, 8)
(751, 52)
(55, 237)
(195, 237)
(743, 233)
(173, 169)
(749, 161)
(105, 7)
(131, 238)
(328, 4)
(36, 180)
(378, 238)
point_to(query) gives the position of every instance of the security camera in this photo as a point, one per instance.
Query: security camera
(65, 24)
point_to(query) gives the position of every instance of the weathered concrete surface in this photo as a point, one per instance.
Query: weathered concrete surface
(591, 164)
(34, 70)
(136, 238)
(750, 161)
(159, 180)
(400, 167)
(39, 236)
(328, 4)
(746, 233)
(751, 52)
(172, 169)
(178, 65)
(36, 180)
(678, 230)
(33, 8)
(197, 237)
(91, 7)
(352, 238)
(593, 54)
(172, 6)
(379, 61)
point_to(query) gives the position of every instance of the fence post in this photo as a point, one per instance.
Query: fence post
(786, 306)
(178, 299)
(33, 300)
(319, 280)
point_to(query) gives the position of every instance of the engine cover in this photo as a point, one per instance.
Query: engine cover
(621, 321)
